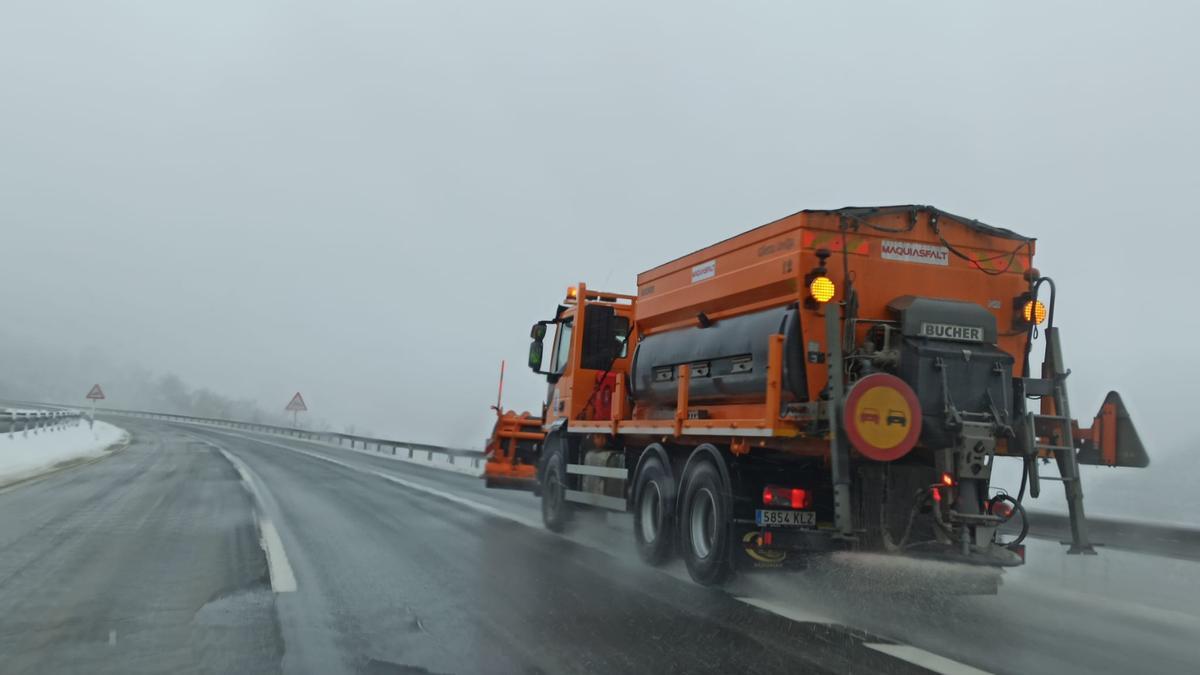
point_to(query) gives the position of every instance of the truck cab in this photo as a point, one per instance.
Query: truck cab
(587, 349)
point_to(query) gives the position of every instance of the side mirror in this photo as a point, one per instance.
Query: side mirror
(535, 354)
(538, 332)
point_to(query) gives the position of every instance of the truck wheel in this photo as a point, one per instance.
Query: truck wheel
(653, 517)
(704, 525)
(556, 510)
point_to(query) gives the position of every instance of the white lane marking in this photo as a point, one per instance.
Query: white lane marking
(483, 508)
(242, 471)
(787, 612)
(283, 580)
(112, 638)
(924, 659)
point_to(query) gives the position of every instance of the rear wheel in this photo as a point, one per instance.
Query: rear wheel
(653, 517)
(705, 534)
(556, 511)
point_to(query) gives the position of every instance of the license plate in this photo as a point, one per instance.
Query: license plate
(772, 518)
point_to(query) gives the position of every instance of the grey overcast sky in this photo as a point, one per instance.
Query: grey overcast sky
(371, 201)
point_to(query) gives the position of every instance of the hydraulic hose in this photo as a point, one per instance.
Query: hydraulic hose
(1017, 508)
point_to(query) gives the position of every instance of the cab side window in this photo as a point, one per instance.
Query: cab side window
(621, 335)
(562, 348)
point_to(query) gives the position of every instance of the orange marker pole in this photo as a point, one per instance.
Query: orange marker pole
(500, 392)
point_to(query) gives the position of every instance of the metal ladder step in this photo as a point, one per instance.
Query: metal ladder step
(1046, 425)
(1037, 386)
(1055, 428)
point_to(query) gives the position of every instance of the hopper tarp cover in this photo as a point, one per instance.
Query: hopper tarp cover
(855, 218)
(864, 213)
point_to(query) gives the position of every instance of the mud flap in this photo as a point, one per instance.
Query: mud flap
(1112, 439)
(789, 548)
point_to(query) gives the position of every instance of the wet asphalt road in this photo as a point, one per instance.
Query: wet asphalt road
(149, 561)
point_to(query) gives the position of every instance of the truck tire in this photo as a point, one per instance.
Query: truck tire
(653, 512)
(705, 534)
(556, 510)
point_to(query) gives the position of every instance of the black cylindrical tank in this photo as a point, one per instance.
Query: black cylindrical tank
(728, 359)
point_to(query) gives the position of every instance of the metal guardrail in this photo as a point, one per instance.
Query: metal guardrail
(14, 420)
(471, 458)
(1167, 540)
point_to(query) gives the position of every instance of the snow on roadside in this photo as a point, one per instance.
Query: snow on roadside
(22, 456)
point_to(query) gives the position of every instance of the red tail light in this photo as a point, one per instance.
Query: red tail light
(796, 498)
(799, 498)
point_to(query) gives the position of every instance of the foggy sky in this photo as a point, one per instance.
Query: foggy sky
(370, 202)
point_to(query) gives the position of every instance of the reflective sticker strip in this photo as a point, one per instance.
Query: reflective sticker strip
(833, 242)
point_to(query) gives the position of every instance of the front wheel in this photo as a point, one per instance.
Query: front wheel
(556, 511)
(705, 534)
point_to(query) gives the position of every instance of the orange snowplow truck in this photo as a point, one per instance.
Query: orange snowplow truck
(834, 380)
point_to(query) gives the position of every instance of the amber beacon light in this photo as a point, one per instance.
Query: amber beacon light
(1034, 312)
(822, 289)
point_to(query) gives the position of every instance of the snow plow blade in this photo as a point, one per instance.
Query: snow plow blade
(501, 481)
(512, 452)
(1112, 439)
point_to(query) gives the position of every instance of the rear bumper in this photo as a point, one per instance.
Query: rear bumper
(992, 556)
(794, 539)
(819, 541)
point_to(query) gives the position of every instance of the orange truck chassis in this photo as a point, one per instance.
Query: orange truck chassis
(837, 379)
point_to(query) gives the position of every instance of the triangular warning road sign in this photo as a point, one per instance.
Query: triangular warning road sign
(297, 404)
(96, 393)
